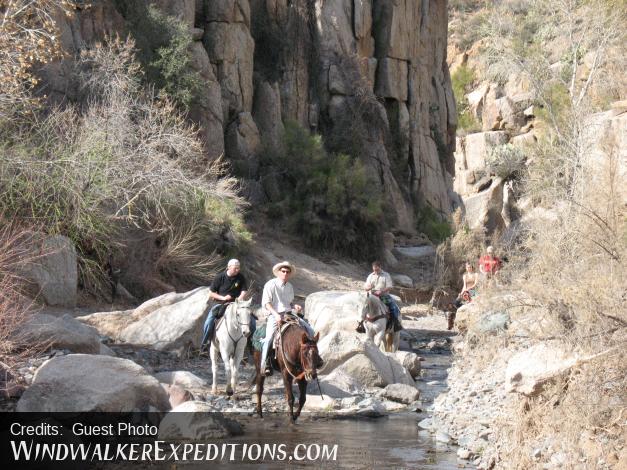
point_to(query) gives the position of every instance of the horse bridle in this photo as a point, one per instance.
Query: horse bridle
(306, 374)
(238, 323)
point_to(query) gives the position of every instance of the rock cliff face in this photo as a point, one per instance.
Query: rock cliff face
(370, 75)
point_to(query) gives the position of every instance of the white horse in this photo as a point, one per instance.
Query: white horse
(230, 341)
(374, 315)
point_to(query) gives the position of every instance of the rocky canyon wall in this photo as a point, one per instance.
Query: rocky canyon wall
(369, 75)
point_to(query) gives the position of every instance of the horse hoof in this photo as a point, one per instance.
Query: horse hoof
(229, 393)
(214, 391)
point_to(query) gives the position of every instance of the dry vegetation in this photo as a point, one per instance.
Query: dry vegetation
(120, 160)
(17, 250)
(566, 268)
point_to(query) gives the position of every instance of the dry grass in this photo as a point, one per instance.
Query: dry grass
(567, 279)
(16, 252)
(122, 158)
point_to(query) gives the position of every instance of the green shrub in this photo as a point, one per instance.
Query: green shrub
(505, 161)
(462, 81)
(163, 44)
(327, 198)
(432, 225)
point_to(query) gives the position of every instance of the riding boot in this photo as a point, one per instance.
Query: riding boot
(360, 327)
(267, 372)
(397, 325)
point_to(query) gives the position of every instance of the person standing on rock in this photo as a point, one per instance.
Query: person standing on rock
(225, 288)
(278, 300)
(380, 284)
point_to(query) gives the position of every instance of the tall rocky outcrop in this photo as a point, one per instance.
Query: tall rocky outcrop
(370, 75)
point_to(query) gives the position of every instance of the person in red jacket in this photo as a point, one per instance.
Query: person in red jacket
(489, 264)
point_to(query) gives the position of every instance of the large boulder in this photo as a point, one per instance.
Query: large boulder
(332, 311)
(338, 384)
(59, 332)
(109, 323)
(83, 382)
(529, 370)
(485, 209)
(361, 359)
(401, 393)
(55, 272)
(181, 378)
(196, 420)
(171, 327)
(410, 361)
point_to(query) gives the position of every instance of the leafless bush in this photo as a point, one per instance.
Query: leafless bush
(124, 158)
(28, 37)
(16, 251)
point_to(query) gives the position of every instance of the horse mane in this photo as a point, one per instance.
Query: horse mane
(375, 305)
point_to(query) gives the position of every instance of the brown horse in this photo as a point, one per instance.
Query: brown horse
(297, 357)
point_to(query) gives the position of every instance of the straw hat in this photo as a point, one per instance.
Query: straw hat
(283, 264)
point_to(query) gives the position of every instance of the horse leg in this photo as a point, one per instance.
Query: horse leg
(396, 341)
(302, 396)
(228, 359)
(213, 352)
(387, 342)
(259, 380)
(378, 339)
(287, 382)
(236, 361)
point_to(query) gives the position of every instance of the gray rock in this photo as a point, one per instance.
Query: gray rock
(426, 423)
(182, 378)
(426, 251)
(60, 332)
(83, 382)
(171, 327)
(492, 322)
(402, 280)
(441, 436)
(401, 393)
(195, 420)
(410, 361)
(338, 384)
(55, 272)
(371, 408)
(528, 371)
(463, 453)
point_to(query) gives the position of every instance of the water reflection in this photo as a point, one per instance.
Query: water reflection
(391, 442)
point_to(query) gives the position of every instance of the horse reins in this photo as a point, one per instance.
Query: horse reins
(240, 324)
(287, 362)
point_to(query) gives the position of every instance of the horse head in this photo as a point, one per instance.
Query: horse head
(373, 307)
(308, 355)
(242, 315)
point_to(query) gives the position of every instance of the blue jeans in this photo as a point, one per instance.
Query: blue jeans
(209, 326)
(270, 329)
(391, 305)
